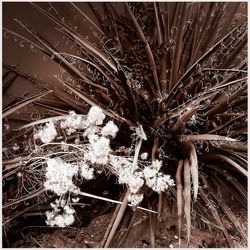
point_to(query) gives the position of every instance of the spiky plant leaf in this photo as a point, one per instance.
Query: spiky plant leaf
(178, 69)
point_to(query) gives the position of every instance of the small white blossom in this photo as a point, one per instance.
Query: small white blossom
(15, 147)
(61, 220)
(119, 163)
(93, 138)
(135, 199)
(68, 219)
(90, 131)
(70, 131)
(100, 151)
(59, 176)
(54, 218)
(102, 160)
(149, 172)
(69, 210)
(7, 126)
(86, 171)
(124, 176)
(110, 129)
(176, 237)
(150, 182)
(95, 116)
(162, 183)
(157, 164)
(73, 122)
(88, 155)
(47, 134)
(75, 199)
(135, 182)
(38, 149)
(156, 180)
(144, 156)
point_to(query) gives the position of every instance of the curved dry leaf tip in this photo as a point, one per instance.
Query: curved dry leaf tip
(179, 197)
(187, 197)
(194, 170)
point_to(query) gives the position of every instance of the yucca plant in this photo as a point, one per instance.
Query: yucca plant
(178, 70)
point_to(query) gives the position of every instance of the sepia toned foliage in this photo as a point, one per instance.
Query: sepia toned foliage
(179, 70)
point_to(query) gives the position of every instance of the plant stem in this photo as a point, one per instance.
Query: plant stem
(125, 199)
(118, 219)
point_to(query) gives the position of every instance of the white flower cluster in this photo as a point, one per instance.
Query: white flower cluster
(47, 134)
(95, 116)
(150, 176)
(100, 150)
(144, 156)
(86, 171)
(110, 129)
(155, 179)
(135, 199)
(62, 215)
(73, 122)
(99, 142)
(59, 176)
(96, 148)
(134, 180)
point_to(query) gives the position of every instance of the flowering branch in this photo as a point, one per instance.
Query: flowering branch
(94, 150)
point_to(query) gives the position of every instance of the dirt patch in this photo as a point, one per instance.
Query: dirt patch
(166, 236)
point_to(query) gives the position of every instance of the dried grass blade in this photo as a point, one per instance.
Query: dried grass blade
(187, 198)
(55, 118)
(16, 160)
(177, 53)
(114, 85)
(224, 100)
(227, 123)
(26, 76)
(25, 39)
(235, 189)
(94, 51)
(179, 197)
(7, 82)
(87, 45)
(218, 219)
(189, 105)
(54, 110)
(236, 146)
(24, 198)
(159, 31)
(92, 102)
(113, 201)
(199, 61)
(204, 137)
(232, 217)
(23, 103)
(126, 86)
(57, 55)
(86, 17)
(229, 161)
(70, 100)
